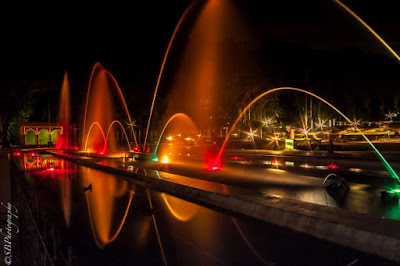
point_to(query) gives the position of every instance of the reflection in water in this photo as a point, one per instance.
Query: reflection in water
(180, 209)
(156, 228)
(201, 237)
(45, 166)
(102, 204)
(35, 162)
(64, 182)
(248, 243)
(253, 250)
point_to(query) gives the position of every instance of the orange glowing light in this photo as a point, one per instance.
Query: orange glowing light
(169, 138)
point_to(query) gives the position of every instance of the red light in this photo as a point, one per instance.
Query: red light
(332, 166)
(236, 158)
(17, 153)
(148, 149)
(32, 154)
(213, 168)
(275, 162)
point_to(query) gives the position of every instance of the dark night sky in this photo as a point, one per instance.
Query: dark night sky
(41, 42)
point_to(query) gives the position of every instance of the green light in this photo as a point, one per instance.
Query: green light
(393, 191)
(289, 163)
(154, 159)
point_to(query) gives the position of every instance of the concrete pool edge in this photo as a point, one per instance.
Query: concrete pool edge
(366, 233)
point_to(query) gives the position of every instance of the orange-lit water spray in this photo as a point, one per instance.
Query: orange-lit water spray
(64, 141)
(123, 130)
(162, 69)
(368, 28)
(90, 129)
(102, 110)
(380, 156)
(175, 116)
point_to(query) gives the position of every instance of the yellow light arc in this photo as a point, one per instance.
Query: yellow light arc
(368, 28)
(392, 173)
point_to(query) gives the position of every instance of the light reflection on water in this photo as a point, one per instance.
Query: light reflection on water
(116, 218)
(107, 191)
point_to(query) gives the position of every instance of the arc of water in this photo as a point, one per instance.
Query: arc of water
(87, 98)
(90, 129)
(119, 92)
(108, 132)
(380, 156)
(125, 105)
(162, 69)
(165, 127)
(368, 28)
(156, 228)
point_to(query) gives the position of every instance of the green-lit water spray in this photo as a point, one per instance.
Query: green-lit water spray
(392, 173)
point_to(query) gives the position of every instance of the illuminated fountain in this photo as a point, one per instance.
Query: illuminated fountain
(182, 130)
(196, 88)
(100, 113)
(392, 173)
(66, 140)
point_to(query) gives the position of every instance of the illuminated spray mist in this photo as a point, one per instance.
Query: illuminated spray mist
(123, 130)
(162, 69)
(90, 130)
(175, 116)
(392, 173)
(65, 140)
(99, 109)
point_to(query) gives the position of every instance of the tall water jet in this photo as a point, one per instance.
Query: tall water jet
(162, 69)
(196, 79)
(103, 92)
(65, 140)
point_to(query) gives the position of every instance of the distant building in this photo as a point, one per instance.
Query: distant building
(40, 133)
